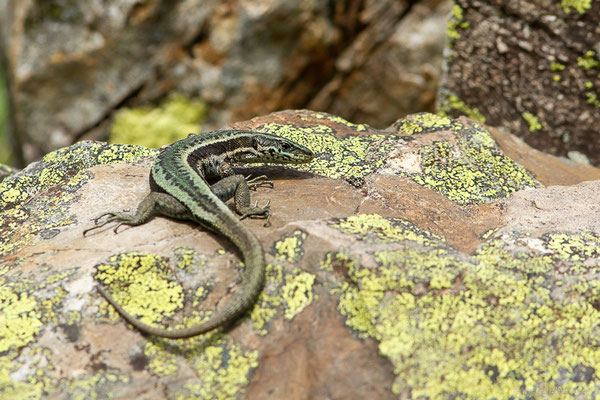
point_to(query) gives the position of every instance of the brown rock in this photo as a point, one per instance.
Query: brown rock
(413, 262)
(72, 66)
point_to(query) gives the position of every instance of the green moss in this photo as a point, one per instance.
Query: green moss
(581, 6)
(450, 103)
(156, 126)
(456, 22)
(592, 98)
(487, 326)
(588, 60)
(533, 121)
(555, 67)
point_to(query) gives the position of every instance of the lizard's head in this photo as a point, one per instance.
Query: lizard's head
(269, 148)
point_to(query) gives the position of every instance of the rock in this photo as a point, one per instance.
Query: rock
(530, 67)
(6, 171)
(417, 261)
(72, 66)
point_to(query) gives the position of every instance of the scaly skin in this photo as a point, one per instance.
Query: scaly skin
(179, 189)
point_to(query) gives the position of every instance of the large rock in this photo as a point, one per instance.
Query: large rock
(531, 67)
(73, 65)
(415, 262)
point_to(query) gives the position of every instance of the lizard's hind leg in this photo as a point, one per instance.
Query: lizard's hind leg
(153, 204)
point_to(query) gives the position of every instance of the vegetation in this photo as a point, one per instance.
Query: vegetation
(4, 145)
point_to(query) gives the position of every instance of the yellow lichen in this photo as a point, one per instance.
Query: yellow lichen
(141, 284)
(185, 258)
(292, 291)
(426, 122)
(352, 157)
(95, 386)
(20, 319)
(290, 247)
(223, 370)
(162, 362)
(485, 326)
(16, 389)
(297, 293)
(472, 171)
(373, 227)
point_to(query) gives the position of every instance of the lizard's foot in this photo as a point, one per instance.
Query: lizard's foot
(122, 218)
(258, 181)
(258, 213)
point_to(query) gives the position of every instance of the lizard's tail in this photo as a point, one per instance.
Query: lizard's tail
(253, 280)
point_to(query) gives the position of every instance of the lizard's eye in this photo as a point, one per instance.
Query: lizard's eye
(286, 146)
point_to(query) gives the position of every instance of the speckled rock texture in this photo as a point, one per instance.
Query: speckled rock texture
(414, 262)
(532, 67)
(73, 65)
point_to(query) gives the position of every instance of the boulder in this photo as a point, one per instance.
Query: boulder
(418, 261)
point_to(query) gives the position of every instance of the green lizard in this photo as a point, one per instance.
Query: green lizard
(179, 189)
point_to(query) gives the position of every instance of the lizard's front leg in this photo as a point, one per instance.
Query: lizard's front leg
(236, 186)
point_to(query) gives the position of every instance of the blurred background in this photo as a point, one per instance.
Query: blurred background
(152, 71)
(5, 151)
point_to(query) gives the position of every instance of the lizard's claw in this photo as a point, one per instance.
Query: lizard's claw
(259, 213)
(257, 182)
(112, 216)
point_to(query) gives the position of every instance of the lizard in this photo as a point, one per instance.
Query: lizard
(180, 189)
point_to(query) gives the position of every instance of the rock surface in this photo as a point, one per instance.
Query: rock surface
(531, 67)
(417, 261)
(73, 65)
